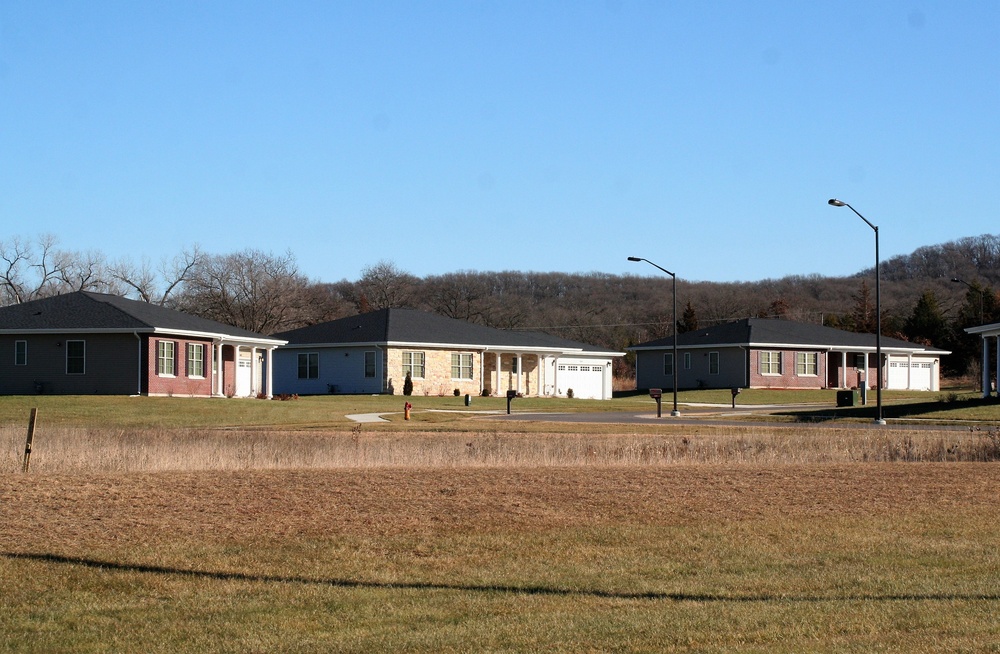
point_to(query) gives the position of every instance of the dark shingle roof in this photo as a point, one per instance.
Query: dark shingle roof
(412, 326)
(768, 331)
(95, 312)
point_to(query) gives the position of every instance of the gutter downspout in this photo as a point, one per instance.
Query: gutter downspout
(383, 377)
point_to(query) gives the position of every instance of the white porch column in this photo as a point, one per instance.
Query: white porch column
(270, 372)
(253, 371)
(496, 386)
(843, 369)
(520, 371)
(986, 366)
(218, 368)
(909, 371)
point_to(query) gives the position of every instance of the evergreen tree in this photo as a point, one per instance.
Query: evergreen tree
(863, 319)
(927, 324)
(689, 320)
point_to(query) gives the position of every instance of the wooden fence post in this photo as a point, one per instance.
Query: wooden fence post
(31, 436)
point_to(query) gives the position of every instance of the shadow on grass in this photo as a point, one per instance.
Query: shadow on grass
(493, 588)
(911, 410)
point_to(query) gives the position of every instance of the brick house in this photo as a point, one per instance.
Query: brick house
(87, 343)
(373, 352)
(767, 353)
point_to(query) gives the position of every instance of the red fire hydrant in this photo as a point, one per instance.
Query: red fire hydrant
(406, 410)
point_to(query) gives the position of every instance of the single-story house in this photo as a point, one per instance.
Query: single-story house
(373, 353)
(988, 332)
(769, 353)
(93, 343)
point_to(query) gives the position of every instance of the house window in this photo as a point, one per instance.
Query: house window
(369, 365)
(165, 358)
(668, 364)
(413, 364)
(309, 365)
(195, 360)
(770, 362)
(687, 360)
(20, 353)
(76, 357)
(861, 361)
(713, 363)
(461, 365)
(806, 363)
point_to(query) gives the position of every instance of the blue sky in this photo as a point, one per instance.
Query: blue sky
(503, 135)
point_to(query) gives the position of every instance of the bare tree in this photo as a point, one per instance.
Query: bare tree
(385, 286)
(252, 289)
(146, 283)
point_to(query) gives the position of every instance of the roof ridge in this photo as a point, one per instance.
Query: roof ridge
(106, 299)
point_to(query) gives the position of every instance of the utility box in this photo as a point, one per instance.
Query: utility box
(847, 398)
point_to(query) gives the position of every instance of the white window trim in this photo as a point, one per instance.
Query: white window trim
(668, 357)
(187, 363)
(408, 365)
(806, 356)
(718, 363)
(687, 360)
(298, 366)
(374, 364)
(760, 363)
(471, 366)
(160, 358)
(84, 357)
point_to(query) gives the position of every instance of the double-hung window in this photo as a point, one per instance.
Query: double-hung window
(413, 364)
(806, 363)
(309, 365)
(687, 360)
(369, 365)
(76, 357)
(195, 360)
(770, 362)
(713, 363)
(165, 358)
(20, 353)
(668, 364)
(461, 365)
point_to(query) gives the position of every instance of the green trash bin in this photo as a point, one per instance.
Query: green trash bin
(847, 398)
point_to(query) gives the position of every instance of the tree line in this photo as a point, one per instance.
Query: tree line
(929, 296)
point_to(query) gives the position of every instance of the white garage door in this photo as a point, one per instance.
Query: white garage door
(585, 379)
(905, 374)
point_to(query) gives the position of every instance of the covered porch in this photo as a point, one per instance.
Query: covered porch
(989, 333)
(242, 368)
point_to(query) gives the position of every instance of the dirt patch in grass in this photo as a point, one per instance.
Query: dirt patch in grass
(69, 514)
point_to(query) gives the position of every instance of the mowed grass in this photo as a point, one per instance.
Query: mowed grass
(666, 539)
(685, 558)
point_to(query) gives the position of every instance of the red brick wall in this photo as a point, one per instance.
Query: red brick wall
(787, 378)
(180, 383)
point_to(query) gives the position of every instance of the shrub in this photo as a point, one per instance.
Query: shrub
(486, 392)
(457, 392)
(408, 385)
(569, 393)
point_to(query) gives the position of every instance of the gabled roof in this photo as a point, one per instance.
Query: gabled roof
(769, 332)
(87, 312)
(412, 327)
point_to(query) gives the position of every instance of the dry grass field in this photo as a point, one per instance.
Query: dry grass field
(699, 539)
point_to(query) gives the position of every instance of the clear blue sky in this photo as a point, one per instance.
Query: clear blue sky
(503, 135)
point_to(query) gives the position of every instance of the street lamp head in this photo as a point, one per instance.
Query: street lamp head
(836, 203)
(634, 259)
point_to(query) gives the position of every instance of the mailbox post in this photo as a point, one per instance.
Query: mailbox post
(735, 391)
(657, 394)
(510, 396)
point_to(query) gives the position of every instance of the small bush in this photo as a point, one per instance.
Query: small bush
(569, 393)
(408, 385)
(486, 392)
(457, 392)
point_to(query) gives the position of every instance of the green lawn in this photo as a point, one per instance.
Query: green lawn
(330, 411)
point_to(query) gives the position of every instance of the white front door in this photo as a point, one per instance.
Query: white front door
(244, 378)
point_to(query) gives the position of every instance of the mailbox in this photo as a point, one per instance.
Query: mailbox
(657, 394)
(510, 396)
(735, 391)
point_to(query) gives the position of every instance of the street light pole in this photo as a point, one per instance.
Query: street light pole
(676, 367)
(878, 313)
